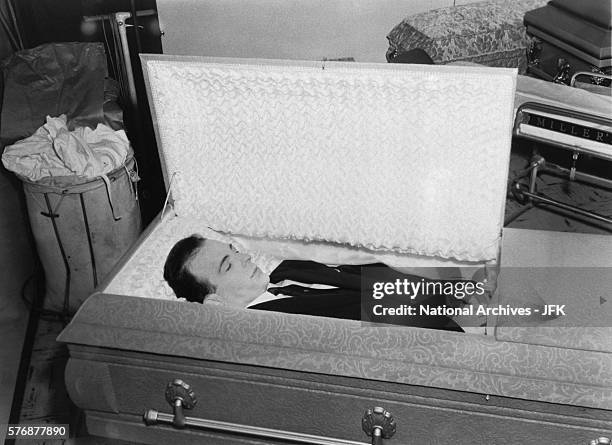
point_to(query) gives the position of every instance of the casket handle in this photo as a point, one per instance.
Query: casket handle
(597, 76)
(563, 72)
(180, 395)
(378, 424)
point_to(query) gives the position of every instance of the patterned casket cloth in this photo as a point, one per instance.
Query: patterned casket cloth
(410, 159)
(490, 33)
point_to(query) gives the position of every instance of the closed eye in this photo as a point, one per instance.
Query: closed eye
(224, 265)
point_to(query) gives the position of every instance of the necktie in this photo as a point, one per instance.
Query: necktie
(346, 277)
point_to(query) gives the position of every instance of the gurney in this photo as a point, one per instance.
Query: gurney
(572, 121)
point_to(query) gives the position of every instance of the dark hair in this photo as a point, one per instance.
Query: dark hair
(184, 283)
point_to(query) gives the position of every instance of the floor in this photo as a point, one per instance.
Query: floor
(43, 395)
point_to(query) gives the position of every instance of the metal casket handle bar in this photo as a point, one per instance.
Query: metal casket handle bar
(601, 441)
(378, 424)
(180, 396)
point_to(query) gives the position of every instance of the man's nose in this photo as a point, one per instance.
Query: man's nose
(245, 257)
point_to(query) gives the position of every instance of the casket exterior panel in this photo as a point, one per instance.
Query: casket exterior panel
(322, 405)
(435, 383)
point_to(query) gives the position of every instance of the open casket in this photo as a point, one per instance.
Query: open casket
(337, 163)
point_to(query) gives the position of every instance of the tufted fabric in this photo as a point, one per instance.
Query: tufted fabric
(386, 157)
(490, 33)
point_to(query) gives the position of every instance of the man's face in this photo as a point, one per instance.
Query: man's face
(237, 279)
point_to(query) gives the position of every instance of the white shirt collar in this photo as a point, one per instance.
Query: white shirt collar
(266, 296)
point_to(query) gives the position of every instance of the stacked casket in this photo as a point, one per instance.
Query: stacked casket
(570, 37)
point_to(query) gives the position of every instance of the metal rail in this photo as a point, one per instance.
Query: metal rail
(539, 165)
(153, 417)
(561, 205)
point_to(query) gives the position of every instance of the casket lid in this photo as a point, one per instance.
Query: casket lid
(389, 157)
(583, 26)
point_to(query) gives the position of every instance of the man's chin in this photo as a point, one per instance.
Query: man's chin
(262, 285)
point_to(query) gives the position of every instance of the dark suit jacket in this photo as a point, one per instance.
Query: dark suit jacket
(347, 300)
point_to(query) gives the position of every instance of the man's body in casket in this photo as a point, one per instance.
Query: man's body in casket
(201, 269)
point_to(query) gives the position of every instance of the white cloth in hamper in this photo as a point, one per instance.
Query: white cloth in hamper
(54, 151)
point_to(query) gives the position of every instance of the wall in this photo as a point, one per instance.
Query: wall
(286, 29)
(16, 247)
(16, 264)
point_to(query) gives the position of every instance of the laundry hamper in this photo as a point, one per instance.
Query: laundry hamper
(81, 230)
